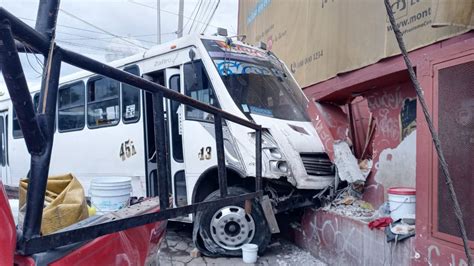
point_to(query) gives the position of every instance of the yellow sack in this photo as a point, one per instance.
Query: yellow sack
(64, 204)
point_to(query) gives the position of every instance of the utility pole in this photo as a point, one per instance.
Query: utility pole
(158, 22)
(180, 18)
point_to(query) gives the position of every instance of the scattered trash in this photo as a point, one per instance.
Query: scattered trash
(366, 205)
(380, 223)
(398, 231)
(274, 244)
(402, 228)
(384, 209)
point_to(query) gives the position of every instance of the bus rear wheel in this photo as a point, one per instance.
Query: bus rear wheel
(222, 231)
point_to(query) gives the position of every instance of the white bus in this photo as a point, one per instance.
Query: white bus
(105, 128)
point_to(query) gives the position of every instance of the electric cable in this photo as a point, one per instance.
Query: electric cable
(98, 28)
(195, 16)
(189, 19)
(204, 15)
(212, 15)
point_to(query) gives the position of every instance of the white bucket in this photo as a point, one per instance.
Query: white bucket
(402, 202)
(249, 253)
(110, 193)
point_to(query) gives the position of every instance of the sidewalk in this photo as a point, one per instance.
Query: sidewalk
(178, 245)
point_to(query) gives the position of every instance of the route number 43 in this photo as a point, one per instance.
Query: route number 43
(205, 153)
(127, 150)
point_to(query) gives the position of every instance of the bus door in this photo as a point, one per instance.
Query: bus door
(176, 156)
(4, 148)
(169, 78)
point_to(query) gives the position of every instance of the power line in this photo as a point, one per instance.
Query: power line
(212, 15)
(204, 15)
(96, 27)
(85, 46)
(207, 15)
(66, 26)
(187, 22)
(195, 16)
(169, 12)
(106, 39)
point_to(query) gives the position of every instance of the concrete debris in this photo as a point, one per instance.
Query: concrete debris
(354, 208)
(365, 167)
(296, 256)
(347, 166)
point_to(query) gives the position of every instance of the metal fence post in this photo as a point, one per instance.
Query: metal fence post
(221, 169)
(160, 145)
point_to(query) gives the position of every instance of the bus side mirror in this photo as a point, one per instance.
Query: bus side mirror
(192, 54)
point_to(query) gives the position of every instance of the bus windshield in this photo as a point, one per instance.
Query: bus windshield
(257, 81)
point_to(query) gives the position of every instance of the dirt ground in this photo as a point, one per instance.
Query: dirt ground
(178, 245)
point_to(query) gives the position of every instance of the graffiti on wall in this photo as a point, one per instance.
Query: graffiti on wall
(383, 104)
(343, 241)
(394, 142)
(434, 256)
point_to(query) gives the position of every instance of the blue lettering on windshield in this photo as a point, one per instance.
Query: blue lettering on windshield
(262, 111)
(228, 68)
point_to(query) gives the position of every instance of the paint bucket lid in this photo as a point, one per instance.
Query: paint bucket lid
(401, 191)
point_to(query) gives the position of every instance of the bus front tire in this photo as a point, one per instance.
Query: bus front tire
(221, 231)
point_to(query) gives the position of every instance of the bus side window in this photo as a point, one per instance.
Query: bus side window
(71, 107)
(17, 133)
(130, 99)
(176, 137)
(103, 99)
(198, 86)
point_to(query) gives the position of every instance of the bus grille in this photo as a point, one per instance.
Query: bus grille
(317, 164)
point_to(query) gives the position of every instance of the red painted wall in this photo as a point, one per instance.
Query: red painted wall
(386, 86)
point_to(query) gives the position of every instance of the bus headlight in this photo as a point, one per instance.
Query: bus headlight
(279, 166)
(275, 153)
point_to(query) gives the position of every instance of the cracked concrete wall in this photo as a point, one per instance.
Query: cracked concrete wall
(394, 142)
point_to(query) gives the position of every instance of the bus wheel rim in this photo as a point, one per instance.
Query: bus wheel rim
(231, 227)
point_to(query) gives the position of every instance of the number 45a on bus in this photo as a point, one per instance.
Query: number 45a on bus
(127, 149)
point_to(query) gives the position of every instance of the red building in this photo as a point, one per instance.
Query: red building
(446, 73)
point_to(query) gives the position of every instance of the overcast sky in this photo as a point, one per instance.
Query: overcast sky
(82, 26)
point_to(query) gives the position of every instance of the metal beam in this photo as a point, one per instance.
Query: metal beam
(39, 168)
(24, 33)
(46, 17)
(44, 243)
(19, 92)
(221, 169)
(160, 146)
(92, 65)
